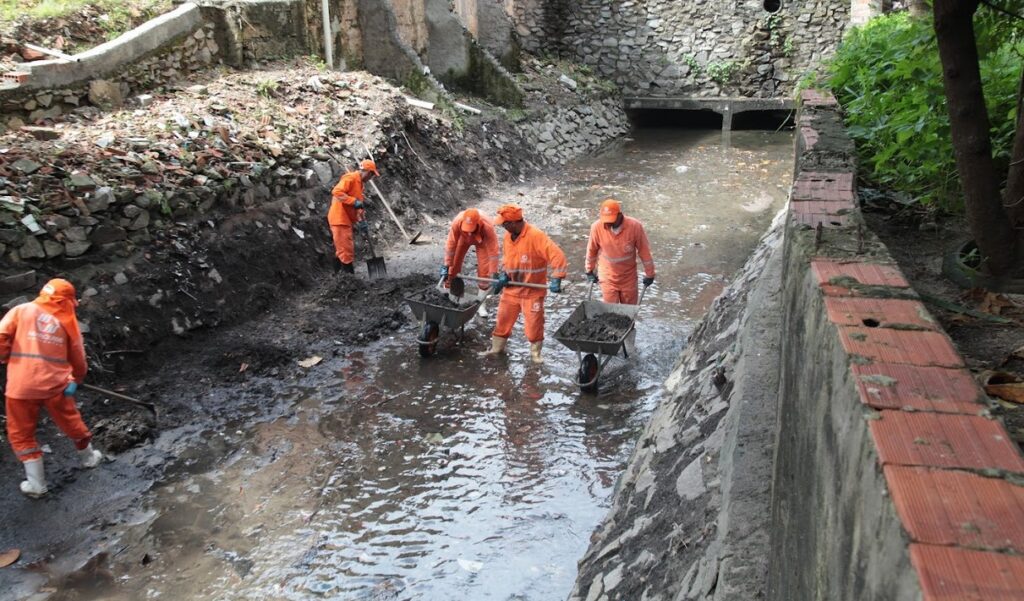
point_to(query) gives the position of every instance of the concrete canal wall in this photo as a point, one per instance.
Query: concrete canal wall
(821, 439)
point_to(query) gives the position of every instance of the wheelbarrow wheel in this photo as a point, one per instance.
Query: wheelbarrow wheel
(588, 373)
(429, 339)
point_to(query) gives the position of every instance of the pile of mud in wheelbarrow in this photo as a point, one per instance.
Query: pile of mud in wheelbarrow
(597, 331)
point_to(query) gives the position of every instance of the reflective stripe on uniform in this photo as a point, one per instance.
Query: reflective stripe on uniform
(43, 357)
(619, 259)
(28, 451)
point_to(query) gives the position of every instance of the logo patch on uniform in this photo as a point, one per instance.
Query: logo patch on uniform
(524, 259)
(47, 324)
(537, 306)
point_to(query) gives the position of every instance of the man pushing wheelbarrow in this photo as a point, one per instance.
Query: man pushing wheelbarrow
(528, 255)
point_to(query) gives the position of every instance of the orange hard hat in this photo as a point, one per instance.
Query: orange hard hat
(368, 165)
(610, 210)
(470, 220)
(509, 212)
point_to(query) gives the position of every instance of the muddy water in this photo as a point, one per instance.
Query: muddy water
(395, 477)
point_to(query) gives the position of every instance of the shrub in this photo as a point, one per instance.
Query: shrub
(887, 76)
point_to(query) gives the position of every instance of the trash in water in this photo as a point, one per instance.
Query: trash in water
(311, 361)
(682, 168)
(434, 438)
(8, 557)
(471, 566)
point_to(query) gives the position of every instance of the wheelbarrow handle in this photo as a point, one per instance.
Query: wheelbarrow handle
(510, 283)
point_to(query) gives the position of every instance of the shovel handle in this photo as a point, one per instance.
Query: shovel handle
(511, 283)
(119, 396)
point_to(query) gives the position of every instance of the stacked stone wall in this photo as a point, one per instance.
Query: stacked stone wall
(671, 48)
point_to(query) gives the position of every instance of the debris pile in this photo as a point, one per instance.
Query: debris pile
(433, 296)
(606, 327)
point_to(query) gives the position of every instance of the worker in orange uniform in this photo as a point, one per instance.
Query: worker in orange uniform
(42, 346)
(471, 229)
(615, 242)
(527, 256)
(346, 212)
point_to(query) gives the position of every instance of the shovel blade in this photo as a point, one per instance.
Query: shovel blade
(376, 268)
(457, 287)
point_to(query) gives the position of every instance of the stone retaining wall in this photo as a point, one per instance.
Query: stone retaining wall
(107, 76)
(892, 482)
(671, 48)
(569, 132)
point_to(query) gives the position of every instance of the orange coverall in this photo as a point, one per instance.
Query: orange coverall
(485, 239)
(527, 259)
(343, 214)
(42, 359)
(615, 255)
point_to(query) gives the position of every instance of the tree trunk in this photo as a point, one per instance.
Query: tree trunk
(969, 128)
(1013, 196)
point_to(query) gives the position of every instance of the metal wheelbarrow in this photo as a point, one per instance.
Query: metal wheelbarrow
(594, 355)
(433, 318)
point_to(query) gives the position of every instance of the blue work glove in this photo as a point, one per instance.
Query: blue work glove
(359, 204)
(444, 272)
(555, 285)
(71, 389)
(363, 227)
(501, 283)
(592, 277)
(648, 281)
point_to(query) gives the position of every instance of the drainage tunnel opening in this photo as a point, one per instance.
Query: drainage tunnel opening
(770, 120)
(681, 119)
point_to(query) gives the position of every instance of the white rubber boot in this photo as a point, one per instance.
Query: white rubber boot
(90, 457)
(497, 346)
(482, 294)
(535, 348)
(34, 484)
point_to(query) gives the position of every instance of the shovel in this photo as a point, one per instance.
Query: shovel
(491, 281)
(375, 266)
(458, 288)
(418, 237)
(121, 397)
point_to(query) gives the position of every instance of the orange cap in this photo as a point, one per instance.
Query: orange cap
(60, 290)
(369, 165)
(470, 220)
(610, 210)
(509, 212)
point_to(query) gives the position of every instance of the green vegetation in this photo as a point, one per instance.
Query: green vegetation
(887, 76)
(721, 72)
(267, 88)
